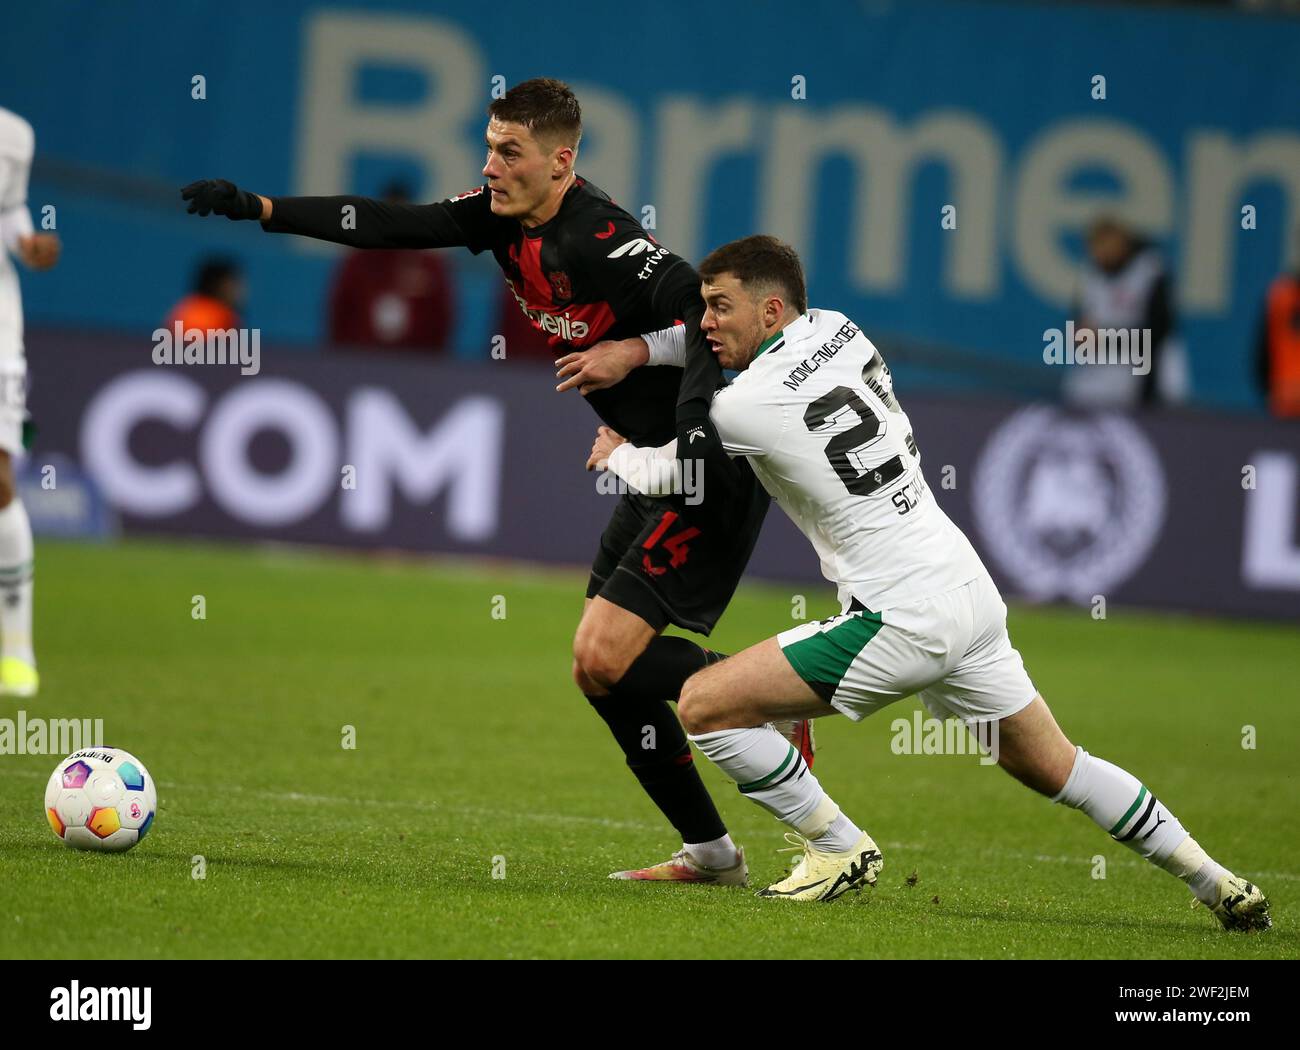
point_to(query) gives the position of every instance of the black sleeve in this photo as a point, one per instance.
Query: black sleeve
(627, 268)
(1160, 311)
(726, 484)
(1263, 362)
(465, 221)
(1160, 321)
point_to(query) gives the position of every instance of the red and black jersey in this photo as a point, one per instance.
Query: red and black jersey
(590, 273)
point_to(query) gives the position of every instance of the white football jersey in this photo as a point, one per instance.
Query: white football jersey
(815, 415)
(17, 143)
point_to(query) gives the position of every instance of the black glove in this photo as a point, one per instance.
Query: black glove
(225, 198)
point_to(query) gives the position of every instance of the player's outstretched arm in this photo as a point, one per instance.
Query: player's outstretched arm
(650, 471)
(612, 360)
(358, 222)
(219, 197)
(658, 471)
(675, 308)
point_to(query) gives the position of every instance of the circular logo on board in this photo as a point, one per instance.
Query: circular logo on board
(1068, 506)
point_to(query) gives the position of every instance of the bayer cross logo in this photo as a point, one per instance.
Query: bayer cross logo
(1068, 506)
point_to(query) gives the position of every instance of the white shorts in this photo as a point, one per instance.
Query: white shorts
(951, 650)
(13, 403)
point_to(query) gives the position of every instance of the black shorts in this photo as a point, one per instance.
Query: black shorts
(654, 562)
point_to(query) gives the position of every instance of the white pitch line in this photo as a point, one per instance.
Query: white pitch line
(533, 816)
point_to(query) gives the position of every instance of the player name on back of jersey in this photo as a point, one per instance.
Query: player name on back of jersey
(824, 353)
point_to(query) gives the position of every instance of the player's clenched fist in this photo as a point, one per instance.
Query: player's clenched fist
(599, 368)
(224, 198)
(39, 251)
(605, 443)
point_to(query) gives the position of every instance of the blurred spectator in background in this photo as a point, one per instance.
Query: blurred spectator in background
(215, 299)
(1126, 285)
(523, 338)
(392, 299)
(1279, 344)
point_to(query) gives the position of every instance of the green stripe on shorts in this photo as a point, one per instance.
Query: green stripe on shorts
(825, 656)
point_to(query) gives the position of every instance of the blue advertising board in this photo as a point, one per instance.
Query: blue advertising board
(844, 128)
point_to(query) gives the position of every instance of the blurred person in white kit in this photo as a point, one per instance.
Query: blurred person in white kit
(37, 251)
(1125, 288)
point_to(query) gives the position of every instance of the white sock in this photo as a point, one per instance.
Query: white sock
(768, 769)
(840, 837)
(1196, 868)
(717, 853)
(16, 559)
(1129, 813)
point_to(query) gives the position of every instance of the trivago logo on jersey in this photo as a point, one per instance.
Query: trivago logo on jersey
(636, 246)
(639, 246)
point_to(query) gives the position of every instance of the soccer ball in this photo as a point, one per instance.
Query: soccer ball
(101, 798)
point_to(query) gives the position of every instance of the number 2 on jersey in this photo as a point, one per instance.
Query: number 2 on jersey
(820, 415)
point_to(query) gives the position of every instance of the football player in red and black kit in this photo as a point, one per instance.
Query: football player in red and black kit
(584, 271)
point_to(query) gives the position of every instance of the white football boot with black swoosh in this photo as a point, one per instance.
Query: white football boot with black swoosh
(819, 876)
(1241, 905)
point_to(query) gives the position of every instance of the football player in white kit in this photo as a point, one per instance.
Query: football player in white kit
(37, 251)
(815, 413)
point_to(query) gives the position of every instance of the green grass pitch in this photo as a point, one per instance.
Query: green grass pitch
(472, 745)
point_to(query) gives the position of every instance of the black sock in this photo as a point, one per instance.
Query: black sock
(662, 669)
(637, 713)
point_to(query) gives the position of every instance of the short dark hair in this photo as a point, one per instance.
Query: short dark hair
(545, 106)
(212, 272)
(1104, 224)
(760, 261)
(397, 191)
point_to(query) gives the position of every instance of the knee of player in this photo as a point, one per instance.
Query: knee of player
(596, 663)
(693, 706)
(581, 680)
(1037, 771)
(1054, 772)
